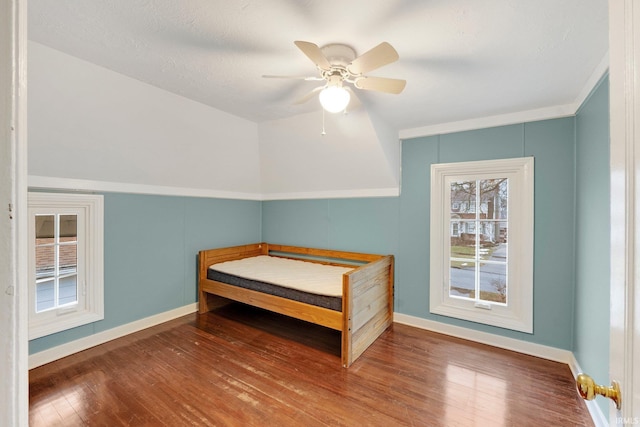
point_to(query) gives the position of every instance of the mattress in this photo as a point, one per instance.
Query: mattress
(308, 282)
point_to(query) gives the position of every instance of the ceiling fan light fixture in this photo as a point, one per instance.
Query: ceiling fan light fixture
(334, 99)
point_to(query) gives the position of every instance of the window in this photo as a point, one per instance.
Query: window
(483, 273)
(65, 261)
(455, 228)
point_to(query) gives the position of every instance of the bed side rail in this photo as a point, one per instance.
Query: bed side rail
(327, 254)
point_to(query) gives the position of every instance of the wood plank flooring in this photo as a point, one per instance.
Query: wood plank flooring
(241, 366)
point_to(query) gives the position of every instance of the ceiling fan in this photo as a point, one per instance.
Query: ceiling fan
(338, 64)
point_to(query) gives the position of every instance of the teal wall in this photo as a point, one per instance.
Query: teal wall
(551, 143)
(401, 225)
(150, 249)
(591, 337)
(362, 225)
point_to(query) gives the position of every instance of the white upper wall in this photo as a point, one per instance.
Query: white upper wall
(91, 124)
(352, 159)
(95, 129)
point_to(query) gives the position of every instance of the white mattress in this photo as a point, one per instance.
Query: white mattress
(310, 277)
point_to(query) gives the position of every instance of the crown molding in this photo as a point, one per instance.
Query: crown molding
(553, 112)
(490, 121)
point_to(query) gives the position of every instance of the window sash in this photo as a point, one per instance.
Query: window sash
(59, 272)
(517, 313)
(89, 276)
(477, 226)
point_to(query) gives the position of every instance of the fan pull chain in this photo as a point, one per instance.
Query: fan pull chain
(323, 133)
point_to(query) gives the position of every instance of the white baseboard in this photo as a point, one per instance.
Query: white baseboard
(598, 417)
(67, 349)
(532, 349)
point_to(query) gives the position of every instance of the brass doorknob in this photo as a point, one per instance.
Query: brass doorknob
(588, 389)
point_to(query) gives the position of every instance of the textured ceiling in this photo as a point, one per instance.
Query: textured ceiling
(462, 59)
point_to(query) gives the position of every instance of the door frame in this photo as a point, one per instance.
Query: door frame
(624, 57)
(14, 380)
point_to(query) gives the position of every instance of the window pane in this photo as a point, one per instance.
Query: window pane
(489, 234)
(68, 228)
(463, 245)
(68, 290)
(462, 279)
(45, 295)
(493, 282)
(68, 258)
(45, 227)
(45, 251)
(493, 198)
(498, 253)
(45, 261)
(504, 231)
(463, 197)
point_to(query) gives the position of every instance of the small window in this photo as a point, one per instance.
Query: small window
(65, 261)
(476, 274)
(455, 228)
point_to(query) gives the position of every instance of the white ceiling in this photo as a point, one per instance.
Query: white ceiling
(462, 59)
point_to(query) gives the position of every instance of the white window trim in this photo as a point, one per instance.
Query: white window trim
(518, 314)
(91, 292)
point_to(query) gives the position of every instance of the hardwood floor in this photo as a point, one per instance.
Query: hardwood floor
(243, 366)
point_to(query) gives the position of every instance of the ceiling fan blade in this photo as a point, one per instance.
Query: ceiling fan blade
(307, 78)
(380, 84)
(380, 55)
(314, 53)
(308, 96)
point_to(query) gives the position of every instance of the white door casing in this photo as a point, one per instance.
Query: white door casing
(14, 383)
(624, 51)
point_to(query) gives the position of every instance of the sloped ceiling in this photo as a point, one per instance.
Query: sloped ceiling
(462, 59)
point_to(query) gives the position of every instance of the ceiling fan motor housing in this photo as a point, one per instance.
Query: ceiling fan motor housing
(338, 54)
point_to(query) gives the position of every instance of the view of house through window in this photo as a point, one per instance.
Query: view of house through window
(478, 250)
(481, 242)
(56, 261)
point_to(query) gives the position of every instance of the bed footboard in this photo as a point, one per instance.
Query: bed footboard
(367, 306)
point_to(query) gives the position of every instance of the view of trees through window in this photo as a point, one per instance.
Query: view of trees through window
(478, 231)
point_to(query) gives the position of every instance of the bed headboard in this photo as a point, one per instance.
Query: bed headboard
(208, 257)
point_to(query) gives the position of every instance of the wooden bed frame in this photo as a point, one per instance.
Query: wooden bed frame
(367, 292)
